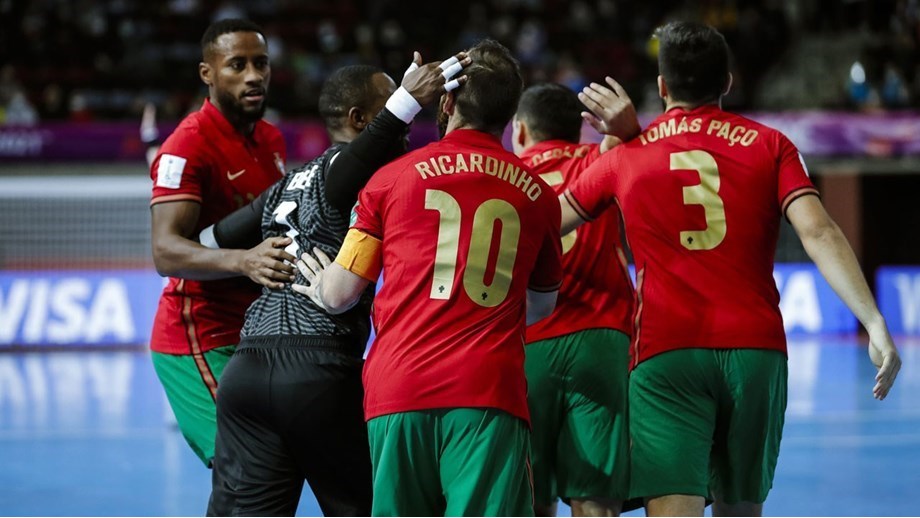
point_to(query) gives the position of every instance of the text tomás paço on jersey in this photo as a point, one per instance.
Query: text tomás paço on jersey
(734, 134)
(477, 163)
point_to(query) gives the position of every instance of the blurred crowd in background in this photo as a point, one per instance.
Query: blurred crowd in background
(96, 60)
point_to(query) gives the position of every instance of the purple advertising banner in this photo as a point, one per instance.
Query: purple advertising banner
(815, 134)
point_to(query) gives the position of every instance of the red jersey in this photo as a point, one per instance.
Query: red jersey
(466, 230)
(207, 161)
(596, 289)
(701, 193)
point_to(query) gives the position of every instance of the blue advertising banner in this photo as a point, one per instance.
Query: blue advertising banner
(808, 303)
(898, 293)
(55, 308)
(77, 307)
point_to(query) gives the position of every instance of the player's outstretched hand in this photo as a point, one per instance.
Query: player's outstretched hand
(312, 269)
(268, 264)
(611, 110)
(427, 82)
(885, 357)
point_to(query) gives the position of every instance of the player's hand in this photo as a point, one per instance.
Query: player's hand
(312, 269)
(885, 357)
(427, 82)
(268, 264)
(611, 110)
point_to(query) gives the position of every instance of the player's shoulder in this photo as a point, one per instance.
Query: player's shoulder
(189, 137)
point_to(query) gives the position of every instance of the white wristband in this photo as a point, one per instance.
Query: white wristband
(403, 105)
(207, 239)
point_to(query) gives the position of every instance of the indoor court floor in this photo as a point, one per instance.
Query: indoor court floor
(89, 434)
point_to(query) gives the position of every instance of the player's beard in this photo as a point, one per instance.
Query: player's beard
(236, 112)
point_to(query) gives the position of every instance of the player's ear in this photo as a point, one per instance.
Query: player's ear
(519, 131)
(728, 84)
(449, 104)
(357, 118)
(662, 88)
(205, 72)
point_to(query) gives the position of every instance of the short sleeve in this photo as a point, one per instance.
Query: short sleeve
(594, 189)
(367, 214)
(547, 272)
(179, 170)
(792, 175)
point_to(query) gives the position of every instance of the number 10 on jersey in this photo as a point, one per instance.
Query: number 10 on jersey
(445, 260)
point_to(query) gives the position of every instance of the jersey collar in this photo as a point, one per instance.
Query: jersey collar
(545, 145)
(474, 138)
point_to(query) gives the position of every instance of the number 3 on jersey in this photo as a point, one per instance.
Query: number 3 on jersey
(706, 193)
(445, 260)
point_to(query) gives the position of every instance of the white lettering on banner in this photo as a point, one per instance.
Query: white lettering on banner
(66, 311)
(908, 287)
(12, 309)
(37, 317)
(110, 313)
(798, 301)
(66, 305)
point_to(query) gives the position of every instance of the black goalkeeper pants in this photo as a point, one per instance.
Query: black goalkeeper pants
(288, 413)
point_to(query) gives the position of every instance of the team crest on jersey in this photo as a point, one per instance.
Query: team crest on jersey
(279, 162)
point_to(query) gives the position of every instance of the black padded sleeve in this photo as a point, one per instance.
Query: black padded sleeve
(379, 143)
(242, 229)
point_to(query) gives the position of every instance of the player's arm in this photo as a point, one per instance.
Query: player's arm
(829, 249)
(239, 229)
(337, 286)
(571, 218)
(546, 277)
(177, 254)
(383, 139)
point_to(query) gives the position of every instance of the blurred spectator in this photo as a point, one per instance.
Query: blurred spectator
(93, 58)
(19, 112)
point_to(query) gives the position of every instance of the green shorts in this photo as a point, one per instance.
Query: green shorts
(707, 422)
(577, 393)
(451, 462)
(191, 383)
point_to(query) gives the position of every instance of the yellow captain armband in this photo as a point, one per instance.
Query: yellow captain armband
(361, 254)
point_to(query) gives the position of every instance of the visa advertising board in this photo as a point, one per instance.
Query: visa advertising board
(93, 308)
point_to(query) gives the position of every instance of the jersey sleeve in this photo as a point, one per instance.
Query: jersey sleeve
(593, 190)
(179, 170)
(367, 214)
(792, 175)
(547, 272)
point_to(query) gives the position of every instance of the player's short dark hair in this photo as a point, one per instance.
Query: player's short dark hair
(489, 98)
(551, 112)
(348, 86)
(693, 59)
(226, 26)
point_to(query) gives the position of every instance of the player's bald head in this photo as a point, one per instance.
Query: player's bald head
(348, 87)
(209, 41)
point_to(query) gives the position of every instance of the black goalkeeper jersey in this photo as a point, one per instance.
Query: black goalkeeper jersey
(297, 207)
